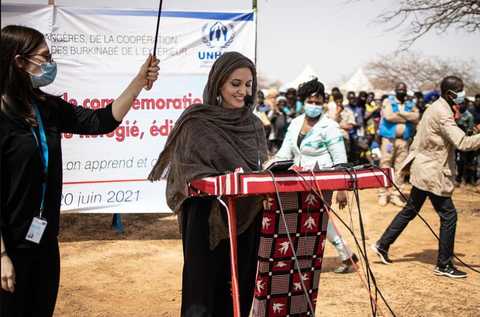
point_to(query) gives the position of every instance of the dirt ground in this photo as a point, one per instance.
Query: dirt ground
(138, 273)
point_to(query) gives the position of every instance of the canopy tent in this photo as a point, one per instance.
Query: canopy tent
(307, 74)
(359, 81)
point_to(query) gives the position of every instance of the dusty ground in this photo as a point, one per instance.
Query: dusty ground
(139, 273)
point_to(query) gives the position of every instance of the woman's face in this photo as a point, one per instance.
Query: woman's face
(31, 63)
(236, 87)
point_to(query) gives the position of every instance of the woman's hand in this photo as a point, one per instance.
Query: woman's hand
(148, 73)
(7, 274)
(342, 199)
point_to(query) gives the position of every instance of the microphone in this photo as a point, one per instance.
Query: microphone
(249, 103)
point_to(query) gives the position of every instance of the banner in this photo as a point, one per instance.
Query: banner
(98, 52)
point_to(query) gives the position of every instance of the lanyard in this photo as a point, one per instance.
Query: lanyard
(43, 153)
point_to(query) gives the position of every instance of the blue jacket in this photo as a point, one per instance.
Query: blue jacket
(388, 129)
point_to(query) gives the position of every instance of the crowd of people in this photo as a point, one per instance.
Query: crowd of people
(376, 129)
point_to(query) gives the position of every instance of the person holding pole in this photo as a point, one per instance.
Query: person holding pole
(31, 123)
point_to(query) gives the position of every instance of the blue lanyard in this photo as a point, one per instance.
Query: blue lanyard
(43, 153)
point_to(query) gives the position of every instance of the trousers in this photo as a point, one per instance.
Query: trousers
(393, 153)
(37, 273)
(448, 223)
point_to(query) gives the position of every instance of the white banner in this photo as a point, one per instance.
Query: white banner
(98, 52)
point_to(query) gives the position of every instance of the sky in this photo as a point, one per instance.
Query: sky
(336, 37)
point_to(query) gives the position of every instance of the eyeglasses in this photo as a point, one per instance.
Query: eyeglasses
(48, 57)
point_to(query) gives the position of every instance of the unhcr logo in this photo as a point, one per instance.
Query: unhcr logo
(217, 37)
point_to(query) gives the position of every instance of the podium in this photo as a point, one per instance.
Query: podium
(293, 231)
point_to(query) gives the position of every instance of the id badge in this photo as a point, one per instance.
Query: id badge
(36, 230)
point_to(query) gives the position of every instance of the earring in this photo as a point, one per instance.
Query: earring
(219, 100)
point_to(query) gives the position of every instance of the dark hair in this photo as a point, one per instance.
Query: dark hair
(477, 96)
(291, 91)
(16, 87)
(400, 83)
(335, 90)
(418, 94)
(337, 96)
(351, 93)
(450, 83)
(221, 69)
(312, 87)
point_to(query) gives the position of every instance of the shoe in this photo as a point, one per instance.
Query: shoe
(397, 201)
(382, 254)
(383, 200)
(346, 266)
(450, 271)
(342, 269)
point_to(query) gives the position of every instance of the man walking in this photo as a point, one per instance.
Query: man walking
(432, 170)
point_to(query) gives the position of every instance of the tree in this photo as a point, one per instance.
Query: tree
(420, 72)
(424, 16)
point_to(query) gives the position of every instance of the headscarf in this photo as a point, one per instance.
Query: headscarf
(208, 140)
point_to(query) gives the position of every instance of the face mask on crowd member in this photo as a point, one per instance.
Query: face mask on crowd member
(401, 92)
(458, 98)
(313, 106)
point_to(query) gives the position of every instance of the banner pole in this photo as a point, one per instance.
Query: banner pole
(158, 26)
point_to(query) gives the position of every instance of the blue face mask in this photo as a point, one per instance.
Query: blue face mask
(460, 97)
(49, 72)
(312, 110)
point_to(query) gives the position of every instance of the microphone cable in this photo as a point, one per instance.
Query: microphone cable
(297, 264)
(361, 251)
(249, 103)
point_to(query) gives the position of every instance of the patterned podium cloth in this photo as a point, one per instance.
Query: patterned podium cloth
(278, 288)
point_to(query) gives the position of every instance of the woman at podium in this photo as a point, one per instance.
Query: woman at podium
(314, 141)
(211, 139)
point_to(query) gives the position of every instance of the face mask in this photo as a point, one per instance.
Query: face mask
(460, 97)
(49, 72)
(312, 110)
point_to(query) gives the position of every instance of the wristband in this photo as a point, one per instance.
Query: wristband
(2, 254)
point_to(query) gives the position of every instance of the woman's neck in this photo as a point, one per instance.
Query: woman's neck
(311, 121)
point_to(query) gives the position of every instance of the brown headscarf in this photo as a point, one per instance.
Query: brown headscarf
(210, 140)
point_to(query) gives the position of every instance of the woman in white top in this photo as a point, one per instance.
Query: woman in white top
(314, 141)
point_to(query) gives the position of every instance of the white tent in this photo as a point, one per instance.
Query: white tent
(307, 74)
(359, 81)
